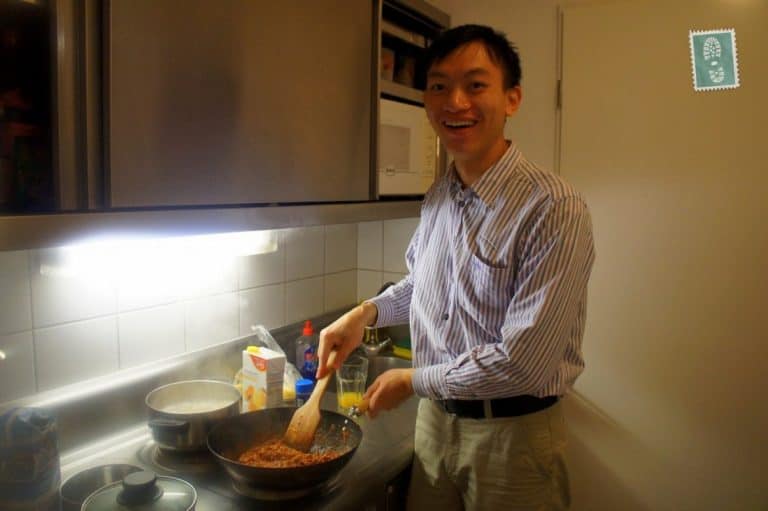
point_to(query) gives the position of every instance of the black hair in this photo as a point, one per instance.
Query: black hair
(500, 50)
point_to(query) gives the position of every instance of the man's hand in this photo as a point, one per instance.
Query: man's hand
(389, 390)
(344, 335)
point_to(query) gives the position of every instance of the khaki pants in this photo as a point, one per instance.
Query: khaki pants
(513, 463)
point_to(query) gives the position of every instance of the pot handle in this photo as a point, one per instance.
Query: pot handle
(169, 425)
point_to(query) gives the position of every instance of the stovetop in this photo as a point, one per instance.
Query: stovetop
(216, 491)
(385, 450)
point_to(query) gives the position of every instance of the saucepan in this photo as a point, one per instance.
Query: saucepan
(234, 435)
(182, 414)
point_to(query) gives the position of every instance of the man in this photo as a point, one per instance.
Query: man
(495, 296)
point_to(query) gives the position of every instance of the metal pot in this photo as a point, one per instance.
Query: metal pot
(143, 491)
(78, 487)
(182, 414)
(232, 436)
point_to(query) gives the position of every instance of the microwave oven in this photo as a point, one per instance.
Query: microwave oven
(409, 150)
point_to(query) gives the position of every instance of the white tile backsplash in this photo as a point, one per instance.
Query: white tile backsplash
(391, 277)
(97, 324)
(340, 290)
(15, 297)
(262, 306)
(151, 334)
(396, 236)
(303, 299)
(60, 297)
(304, 252)
(340, 247)
(210, 277)
(262, 269)
(148, 289)
(368, 284)
(369, 238)
(17, 371)
(211, 320)
(75, 351)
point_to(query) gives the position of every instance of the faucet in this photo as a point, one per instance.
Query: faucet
(371, 343)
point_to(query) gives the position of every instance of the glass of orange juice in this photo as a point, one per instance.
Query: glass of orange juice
(350, 382)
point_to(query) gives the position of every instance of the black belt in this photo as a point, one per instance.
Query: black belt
(503, 407)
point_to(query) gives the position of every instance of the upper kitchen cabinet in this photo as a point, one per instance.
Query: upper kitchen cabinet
(26, 176)
(409, 152)
(237, 102)
(407, 29)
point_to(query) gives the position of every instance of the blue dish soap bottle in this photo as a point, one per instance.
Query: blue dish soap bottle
(306, 351)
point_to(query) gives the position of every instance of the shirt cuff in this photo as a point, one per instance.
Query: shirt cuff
(430, 381)
(386, 311)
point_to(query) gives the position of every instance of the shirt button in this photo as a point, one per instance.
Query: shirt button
(445, 317)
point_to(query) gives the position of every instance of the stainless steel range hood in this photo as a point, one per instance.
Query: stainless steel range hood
(41, 231)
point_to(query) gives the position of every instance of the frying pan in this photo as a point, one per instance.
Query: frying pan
(233, 435)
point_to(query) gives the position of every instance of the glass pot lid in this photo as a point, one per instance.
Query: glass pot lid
(143, 491)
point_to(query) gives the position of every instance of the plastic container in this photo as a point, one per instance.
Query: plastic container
(30, 475)
(306, 351)
(304, 389)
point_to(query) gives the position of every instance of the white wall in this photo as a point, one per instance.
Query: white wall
(57, 329)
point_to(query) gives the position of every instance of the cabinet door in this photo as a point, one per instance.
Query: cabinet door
(238, 101)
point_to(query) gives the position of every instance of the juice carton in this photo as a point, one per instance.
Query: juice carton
(262, 378)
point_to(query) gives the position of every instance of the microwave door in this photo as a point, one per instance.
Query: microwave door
(407, 156)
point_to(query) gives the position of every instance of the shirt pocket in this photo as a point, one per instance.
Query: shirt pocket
(487, 291)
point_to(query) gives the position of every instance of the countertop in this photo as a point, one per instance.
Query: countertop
(385, 451)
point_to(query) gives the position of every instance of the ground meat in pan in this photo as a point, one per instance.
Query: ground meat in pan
(275, 454)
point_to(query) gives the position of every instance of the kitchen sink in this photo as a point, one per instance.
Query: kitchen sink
(377, 365)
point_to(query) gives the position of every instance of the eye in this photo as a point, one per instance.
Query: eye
(478, 85)
(436, 87)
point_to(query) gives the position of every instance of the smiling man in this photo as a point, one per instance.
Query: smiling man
(495, 296)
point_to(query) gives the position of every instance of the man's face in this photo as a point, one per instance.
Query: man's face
(467, 105)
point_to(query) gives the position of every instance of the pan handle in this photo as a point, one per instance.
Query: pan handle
(169, 425)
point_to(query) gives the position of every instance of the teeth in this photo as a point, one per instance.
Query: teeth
(459, 124)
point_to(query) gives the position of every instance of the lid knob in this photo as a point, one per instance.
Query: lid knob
(139, 488)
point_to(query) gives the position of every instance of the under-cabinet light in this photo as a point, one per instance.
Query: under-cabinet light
(128, 256)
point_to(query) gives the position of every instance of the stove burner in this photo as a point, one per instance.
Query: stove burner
(268, 494)
(177, 462)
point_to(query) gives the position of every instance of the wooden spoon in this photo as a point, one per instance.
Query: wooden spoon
(301, 430)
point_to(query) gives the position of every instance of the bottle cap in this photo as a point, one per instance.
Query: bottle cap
(304, 386)
(308, 330)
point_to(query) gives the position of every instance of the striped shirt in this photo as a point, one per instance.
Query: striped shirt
(497, 285)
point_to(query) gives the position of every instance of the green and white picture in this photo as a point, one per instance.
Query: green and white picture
(714, 59)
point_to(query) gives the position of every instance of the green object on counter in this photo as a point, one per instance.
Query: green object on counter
(404, 343)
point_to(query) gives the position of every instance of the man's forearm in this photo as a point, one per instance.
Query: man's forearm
(369, 312)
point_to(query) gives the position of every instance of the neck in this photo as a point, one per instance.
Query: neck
(470, 171)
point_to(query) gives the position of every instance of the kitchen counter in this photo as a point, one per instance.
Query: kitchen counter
(384, 453)
(104, 422)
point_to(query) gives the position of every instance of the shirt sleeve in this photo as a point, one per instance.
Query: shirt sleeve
(394, 304)
(554, 260)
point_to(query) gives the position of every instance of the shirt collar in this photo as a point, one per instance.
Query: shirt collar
(488, 187)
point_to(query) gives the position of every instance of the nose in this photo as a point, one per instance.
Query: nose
(457, 100)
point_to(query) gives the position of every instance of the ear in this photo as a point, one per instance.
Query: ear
(514, 98)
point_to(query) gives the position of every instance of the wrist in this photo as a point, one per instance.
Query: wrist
(369, 312)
